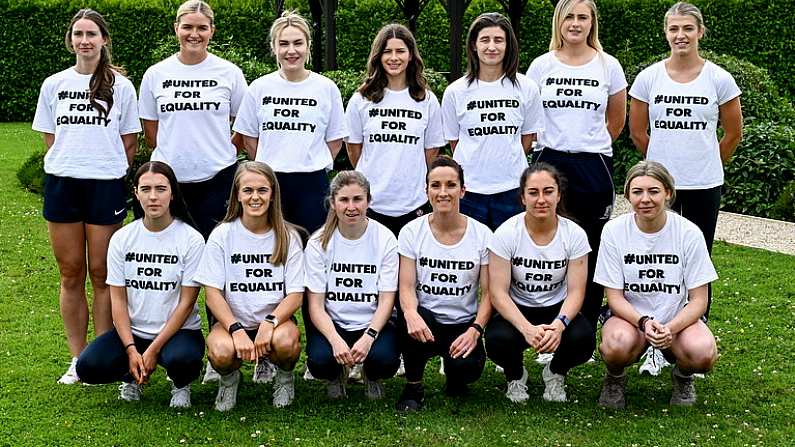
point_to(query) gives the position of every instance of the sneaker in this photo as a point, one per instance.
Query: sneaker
(308, 375)
(335, 389)
(402, 368)
(264, 371)
(545, 358)
(517, 389)
(684, 390)
(373, 389)
(441, 368)
(70, 376)
(180, 397)
(226, 399)
(411, 399)
(131, 392)
(356, 375)
(210, 374)
(283, 388)
(613, 388)
(554, 385)
(653, 362)
(499, 369)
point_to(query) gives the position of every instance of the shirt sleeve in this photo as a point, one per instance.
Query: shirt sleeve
(246, 121)
(534, 71)
(354, 118)
(483, 249)
(726, 87)
(502, 243)
(640, 88)
(147, 104)
(294, 267)
(434, 135)
(406, 242)
(238, 91)
(211, 271)
(388, 277)
(193, 257)
(44, 119)
(609, 268)
(533, 113)
(337, 127)
(450, 122)
(579, 245)
(115, 261)
(618, 81)
(315, 276)
(129, 110)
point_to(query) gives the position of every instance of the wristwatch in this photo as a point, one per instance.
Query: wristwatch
(270, 318)
(234, 327)
(565, 320)
(371, 332)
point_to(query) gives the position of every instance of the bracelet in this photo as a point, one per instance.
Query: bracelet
(234, 327)
(642, 322)
(127, 346)
(478, 328)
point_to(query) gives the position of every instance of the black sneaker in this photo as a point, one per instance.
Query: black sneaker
(411, 398)
(453, 389)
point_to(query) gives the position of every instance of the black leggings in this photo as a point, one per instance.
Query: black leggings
(460, 371)
(506, 345)
(382, 361)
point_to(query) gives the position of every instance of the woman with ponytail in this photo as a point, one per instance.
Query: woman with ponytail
(89, 120)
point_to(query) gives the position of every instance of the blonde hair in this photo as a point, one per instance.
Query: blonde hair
(191, 6)
(655, 170)
(563, 9)
(343, 178)
(291, 18)
(281, 229)
(685, 9)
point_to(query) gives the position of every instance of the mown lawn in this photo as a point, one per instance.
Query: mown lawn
(749, 400)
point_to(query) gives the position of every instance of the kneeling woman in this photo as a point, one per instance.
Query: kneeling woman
(351, 277)
(538, 268)
(443, 258)
(253, 272)
(655, 267)
(151, 263)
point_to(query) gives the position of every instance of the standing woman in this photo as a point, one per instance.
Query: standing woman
(491, 117)
(683, 99)
(89, 120)
(443, 260)
(655, 267)
(395, 128)
(351, 279)
(151, 263)
(253, 273)
(187, 103)
(293, 120)
(583, 91)
(538, 266)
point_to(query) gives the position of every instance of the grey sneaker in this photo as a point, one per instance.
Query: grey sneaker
(517, 389)
(131, 392)
(554, 387)
(226, 399)
(613, 391)
(335, 389)
(264, 371)
(308, 375)
(180, 397)
(70, 376)
(283, 388)
(683, 391)
(210, 374)
(373, 389)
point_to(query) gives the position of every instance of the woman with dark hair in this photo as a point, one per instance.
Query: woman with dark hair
(253, 273)
(151, 263)
(538, 263)
(395, 128)
(491, 117)
(89, 120)
(655, 267)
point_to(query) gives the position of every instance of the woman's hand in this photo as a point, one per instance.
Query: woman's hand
(244, 347)
(465, 344)
(342, 353)
(150, 360)
(417, 328)
(262, 342)
(137, 366)
(533, 336)
(550, 339)
(361, 348)
(658, 335)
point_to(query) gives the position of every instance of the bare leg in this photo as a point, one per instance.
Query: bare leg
(98, 238)
(68, 242)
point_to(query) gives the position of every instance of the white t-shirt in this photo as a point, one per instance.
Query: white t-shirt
(193, 105)
(683, 118)
(488, 120)
(574, 99)
(237, 262)
(351, 273)
(153, 267)
(395, 133)
(86, 145)
(448, 276)
(538, 272)
(656, 270)
(293, 121)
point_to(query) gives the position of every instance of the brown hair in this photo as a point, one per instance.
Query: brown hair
(510, 63)
(376, 81)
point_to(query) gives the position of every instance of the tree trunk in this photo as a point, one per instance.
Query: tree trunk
(514, 9)
(316, 9)
(455, 9)
(330, 16)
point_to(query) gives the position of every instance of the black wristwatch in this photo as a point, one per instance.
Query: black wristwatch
(270, 318)
(234, 327)
(565, 320)
(371, 332)
(478, 328)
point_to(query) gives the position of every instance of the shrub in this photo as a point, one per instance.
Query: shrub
(784, 208)
(31, 173)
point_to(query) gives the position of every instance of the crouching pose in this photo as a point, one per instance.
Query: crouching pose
(351, 278)
(151, 263)
(253, 272)
(538, 267)
(656, 268)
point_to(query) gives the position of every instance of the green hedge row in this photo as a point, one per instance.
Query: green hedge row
(32, 33)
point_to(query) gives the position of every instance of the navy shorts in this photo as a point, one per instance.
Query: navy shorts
(95, 202)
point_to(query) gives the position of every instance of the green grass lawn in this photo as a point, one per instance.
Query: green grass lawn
(749, 400)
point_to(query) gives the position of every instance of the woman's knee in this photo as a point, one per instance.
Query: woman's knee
(221, 353)
(465, 370)
(286, 344)
(618, 345)
(698, 354)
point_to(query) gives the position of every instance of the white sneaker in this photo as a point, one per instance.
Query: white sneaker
(653, 363)
(402, 368)
(499, 369)
(517, 389)
(283, 388)
(545, 358)
(264, 371)
(554, 385)
(441, 367)
(308, 375)
(70, 376)
(180, 397)
(356, 373)
(226, 399)
(131, 392)
(210, 374)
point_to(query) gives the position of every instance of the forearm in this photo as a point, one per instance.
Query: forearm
(320, 318)
(219, 307)
(334, 146)
(187, 301)
(485, 309)
(728, 144)
(508, 309)
(620, 307)
(430, 154)
(354, 152)
(120, 315)
(386, 302)
(286, 309)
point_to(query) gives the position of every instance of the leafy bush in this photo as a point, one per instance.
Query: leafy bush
(784, 208)
(31, 173)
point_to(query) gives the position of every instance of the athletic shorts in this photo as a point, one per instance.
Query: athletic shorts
(95, 202)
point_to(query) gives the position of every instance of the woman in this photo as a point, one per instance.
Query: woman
(88, 117)
(394, 121)
(491, 117)
(351, 279)
(683, 99)
(151, 263)
(443, 260)
(252, 270)
(293, 120)
(187, 103)
(655, 267)
(538, 265)
(583, 91)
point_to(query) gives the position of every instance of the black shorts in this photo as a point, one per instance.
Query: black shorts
(95, 202)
